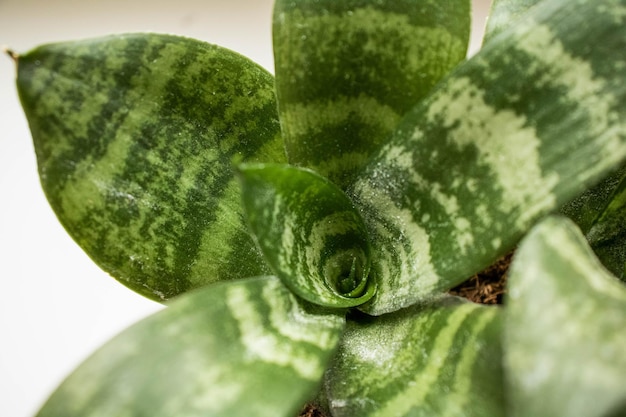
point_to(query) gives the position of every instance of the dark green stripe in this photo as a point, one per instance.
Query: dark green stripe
(310, 234)
(419, 13)
(75, 76)
(441, 359)
(364, 64)
(137, 178)
(236, 349)
(518, 130)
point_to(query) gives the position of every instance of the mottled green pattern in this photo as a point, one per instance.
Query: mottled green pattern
(514, 133)
(310, 233)
(346, 71)
(504, 14)
(212, 352)
(441, 360)
(134, 137)
(564, 338)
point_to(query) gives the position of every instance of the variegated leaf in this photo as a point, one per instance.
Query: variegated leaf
(526, 125)
(564, 338)
(504, 14)
(310, 233)
(234, 349)
(346, 72)
(134, 137)
(441, 360)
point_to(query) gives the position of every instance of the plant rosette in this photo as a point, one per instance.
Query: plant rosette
(308, 226)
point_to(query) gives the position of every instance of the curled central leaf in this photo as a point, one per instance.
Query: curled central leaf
(310, 234)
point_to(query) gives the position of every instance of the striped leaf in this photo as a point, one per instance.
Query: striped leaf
(346, 71)
(310, 233)
(600, 212)
(564, 328)
(233, 349)
(440, 360)
(504, 14)
(134, 137)
(530, 122)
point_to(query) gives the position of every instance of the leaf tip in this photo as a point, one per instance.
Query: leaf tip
(10, 52)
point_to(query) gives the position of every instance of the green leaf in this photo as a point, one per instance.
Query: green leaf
(346, 72)
(586, 208)
(134, 137)
(608, 235)
(310, 233)
(564, 328)
(600, 212)
(440, 360)
(530, 122)
(239, 348)
(504, 14)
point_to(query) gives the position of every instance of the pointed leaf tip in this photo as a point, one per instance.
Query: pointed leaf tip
(10, 52)
(134, 137)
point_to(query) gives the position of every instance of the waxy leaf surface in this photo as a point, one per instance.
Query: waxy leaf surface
(310, 233)
(608, 235)
(564, 338)
(600, 212)
(586, 208)
(525, 126)
(234, 349)
(347, 71)
(444, 359)
(134, 137)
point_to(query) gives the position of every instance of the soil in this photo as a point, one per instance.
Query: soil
(486, 287)
(311, 410)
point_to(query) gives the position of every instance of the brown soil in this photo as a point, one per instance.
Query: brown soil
(488, 286)
(311, 410)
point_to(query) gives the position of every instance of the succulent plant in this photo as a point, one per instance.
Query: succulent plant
(305, 229)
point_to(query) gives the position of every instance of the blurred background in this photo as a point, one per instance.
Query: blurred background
(56, 306)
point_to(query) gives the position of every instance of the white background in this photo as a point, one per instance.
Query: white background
(56, 306)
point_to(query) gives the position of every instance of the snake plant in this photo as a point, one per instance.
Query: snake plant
(304, 229)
